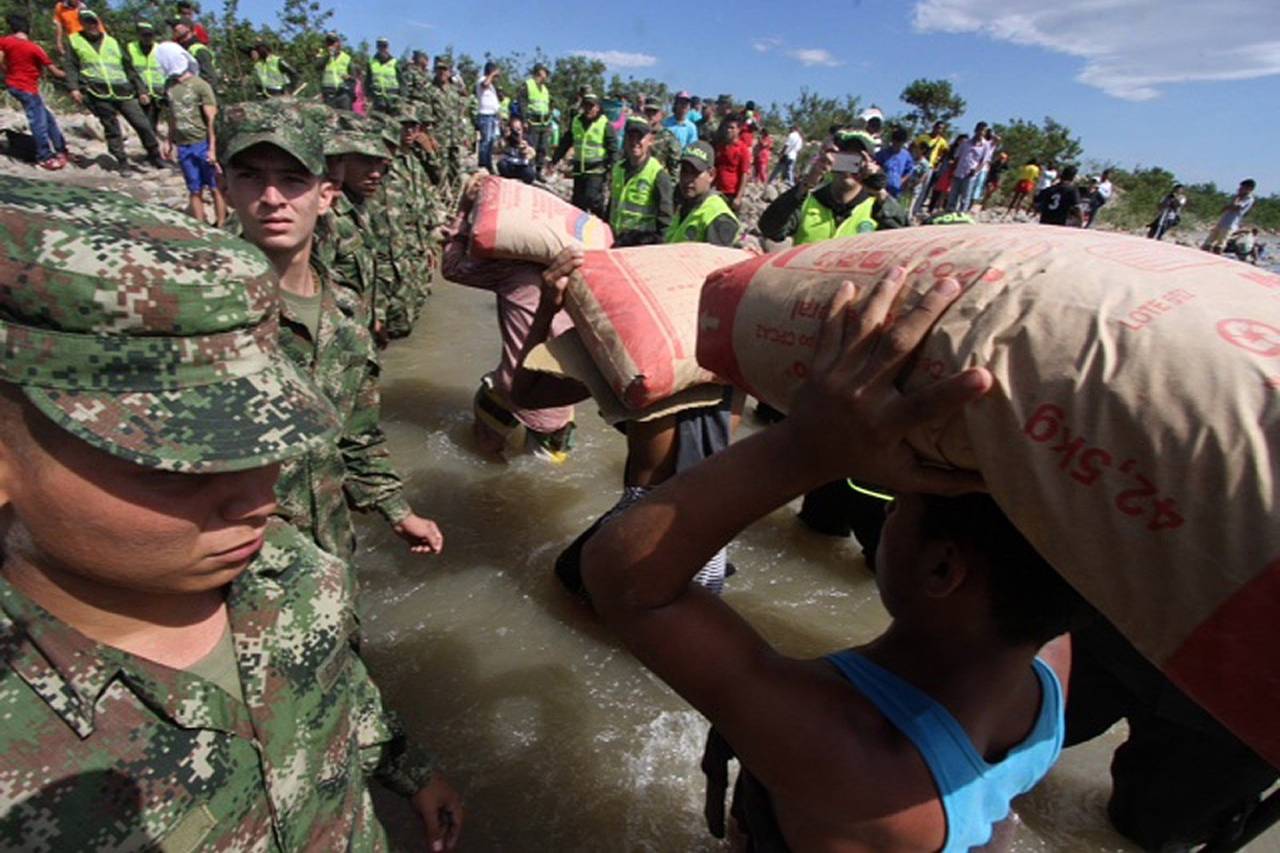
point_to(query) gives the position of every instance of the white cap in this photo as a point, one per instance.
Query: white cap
(871, 112)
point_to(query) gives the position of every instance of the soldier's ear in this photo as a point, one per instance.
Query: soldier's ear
(329, 190)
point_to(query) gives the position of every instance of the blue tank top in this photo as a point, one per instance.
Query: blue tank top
(975, 794)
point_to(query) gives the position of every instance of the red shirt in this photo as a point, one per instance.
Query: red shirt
(733, 162)
(201, 34)
(23, 61)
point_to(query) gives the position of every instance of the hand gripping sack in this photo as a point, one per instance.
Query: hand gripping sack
(636, 311)
(1133, 433)
(514, 221)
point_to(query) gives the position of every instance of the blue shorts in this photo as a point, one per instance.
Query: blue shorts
(198, 171)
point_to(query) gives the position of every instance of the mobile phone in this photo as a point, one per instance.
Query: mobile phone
(849, 163)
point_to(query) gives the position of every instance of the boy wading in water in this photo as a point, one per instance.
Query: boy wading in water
(918, 740)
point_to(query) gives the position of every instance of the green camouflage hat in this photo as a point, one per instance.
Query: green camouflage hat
(356, 134)
(147, 335)
(295, 131)
(390, 129)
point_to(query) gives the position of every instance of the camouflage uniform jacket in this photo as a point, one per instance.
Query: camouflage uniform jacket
(414, 82)
(402, 211)
(104, 750)
(666, 150)
(315, 491)
(345, 251)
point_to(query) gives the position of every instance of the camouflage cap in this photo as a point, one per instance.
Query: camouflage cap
(356, 134)
(147, 335)
(294, 130)
(389, 126)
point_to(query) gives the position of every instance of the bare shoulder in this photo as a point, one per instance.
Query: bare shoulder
(849, 773)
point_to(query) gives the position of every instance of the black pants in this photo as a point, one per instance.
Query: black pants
(108, 112)
(339, 99)
(539, 136)
(154, 111)
(588, 194)
(1180, 778)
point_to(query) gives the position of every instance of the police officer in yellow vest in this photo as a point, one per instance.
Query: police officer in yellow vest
(641, 193)
(382, 81)
(835, 202)
(337, 82)
(594, 144)
(837, 198)
(96, 78)
(535, 109)
(703, 216)
(271, 74)
(144, 72)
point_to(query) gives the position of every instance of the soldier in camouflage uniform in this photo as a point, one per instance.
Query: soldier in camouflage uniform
(177, 668)
(448, 124)
(403, 209)
(346, 241)
(320, 331)
(415, 79)
(664, 148)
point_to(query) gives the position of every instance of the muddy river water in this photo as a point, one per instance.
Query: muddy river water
(557, 738)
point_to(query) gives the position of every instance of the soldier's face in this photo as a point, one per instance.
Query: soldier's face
(637, 146)
(277, 200)
(79, 516)
(364, 173)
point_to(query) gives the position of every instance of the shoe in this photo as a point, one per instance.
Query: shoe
(53, 164)
(155, 161)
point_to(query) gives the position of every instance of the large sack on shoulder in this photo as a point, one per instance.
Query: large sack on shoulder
(1133, 434)
(515, 221)
(636, 311)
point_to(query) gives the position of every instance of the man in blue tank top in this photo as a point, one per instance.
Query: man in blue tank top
(917, 740)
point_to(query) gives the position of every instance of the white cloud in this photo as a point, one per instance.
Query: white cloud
(814, 56)
(766, 44)
(1130, 48)
(619, 58)
(422, 25)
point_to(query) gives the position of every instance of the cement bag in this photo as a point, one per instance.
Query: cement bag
(514, 221)
(636, 311)
(1133, 434)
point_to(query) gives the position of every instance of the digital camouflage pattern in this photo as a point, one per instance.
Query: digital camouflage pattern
(451, 128)
(104, 750)
(315, 491)
(279, 122)
(146, 334)
(355, 134)
(414, 82)
(404, 209)
(665, 148)
(343, 247)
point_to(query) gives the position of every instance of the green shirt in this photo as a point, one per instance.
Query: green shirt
(219, 666)
(304, 310)
(105, 750)
(187, 100)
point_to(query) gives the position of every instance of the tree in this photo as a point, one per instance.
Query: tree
(1051, 141)
(569, 74)
(814, 114)
(934, 100)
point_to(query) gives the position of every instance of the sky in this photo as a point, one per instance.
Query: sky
(1191, 85)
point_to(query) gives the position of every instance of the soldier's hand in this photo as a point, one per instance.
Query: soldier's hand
(441, 810)
(144, 100)
(422, 534)
(76, 96)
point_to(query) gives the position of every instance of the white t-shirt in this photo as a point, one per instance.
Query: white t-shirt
(1047, 177)
(792, 146)
(488, 98)
(1230, 220)
(1104, 190)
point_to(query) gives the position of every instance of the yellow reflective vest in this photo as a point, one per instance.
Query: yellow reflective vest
(385, 81)
(336, 71)
(633, 198)
(693, 228)
(102, 66)
(818, 222)
(588, 145)
(537, 100)
(271, 77)
(148, 69)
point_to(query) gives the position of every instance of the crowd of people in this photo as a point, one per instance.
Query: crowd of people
(189, 417)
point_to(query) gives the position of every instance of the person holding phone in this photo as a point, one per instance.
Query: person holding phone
(842, 194)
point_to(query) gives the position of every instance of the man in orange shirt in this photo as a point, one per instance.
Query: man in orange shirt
(66, 21)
